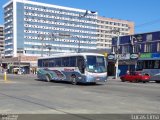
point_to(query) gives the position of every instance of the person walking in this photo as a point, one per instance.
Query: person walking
(127, 72)
(119, 71)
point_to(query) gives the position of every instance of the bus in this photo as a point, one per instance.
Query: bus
(73, 67)
(150, 67)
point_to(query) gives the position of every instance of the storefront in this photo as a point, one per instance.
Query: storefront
(15, 64)
(125, 62)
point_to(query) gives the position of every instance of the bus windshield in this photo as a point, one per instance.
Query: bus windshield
(96, 64)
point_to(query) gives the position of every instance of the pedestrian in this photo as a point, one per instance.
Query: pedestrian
(127, 71)
(119, 71)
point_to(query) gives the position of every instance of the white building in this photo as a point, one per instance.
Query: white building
(106, 27)
(1, 40)
(39, 29)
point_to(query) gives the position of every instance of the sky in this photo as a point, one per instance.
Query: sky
(144, 13)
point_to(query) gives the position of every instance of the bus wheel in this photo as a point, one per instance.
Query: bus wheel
(73, 80)
(48, 78)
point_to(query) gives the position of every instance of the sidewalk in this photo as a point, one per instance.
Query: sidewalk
(10, 74)
(113, 78)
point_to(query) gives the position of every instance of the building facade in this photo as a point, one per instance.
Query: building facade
(1, 40)
(106, 27)
(39, 29)
(144, 46)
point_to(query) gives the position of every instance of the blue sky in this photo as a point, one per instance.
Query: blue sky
(144, 13)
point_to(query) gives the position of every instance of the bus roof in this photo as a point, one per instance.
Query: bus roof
(70, 54)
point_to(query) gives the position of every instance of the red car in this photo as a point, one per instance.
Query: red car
(135, 77)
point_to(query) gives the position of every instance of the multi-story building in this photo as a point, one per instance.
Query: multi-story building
(106, 30)
(39, 29)
(143, 47)
(1, 40)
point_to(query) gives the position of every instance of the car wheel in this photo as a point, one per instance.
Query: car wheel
(123, 80)
(137, 81)
(48, 79)
(144, 81)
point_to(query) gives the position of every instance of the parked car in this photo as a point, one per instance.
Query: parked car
(135, 77)
(18, 70)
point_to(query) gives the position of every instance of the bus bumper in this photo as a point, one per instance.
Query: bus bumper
(90, 79)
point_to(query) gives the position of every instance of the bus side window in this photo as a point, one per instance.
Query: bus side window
(65, 61)
(52, 63)
(57, 62)
(72, 61)
(40, 63)
(47, 63)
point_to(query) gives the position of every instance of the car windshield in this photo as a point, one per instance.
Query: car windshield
(96, 64)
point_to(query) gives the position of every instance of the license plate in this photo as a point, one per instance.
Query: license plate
(97, 79)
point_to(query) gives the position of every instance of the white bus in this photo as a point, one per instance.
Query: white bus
(150, 67)
(73, 67)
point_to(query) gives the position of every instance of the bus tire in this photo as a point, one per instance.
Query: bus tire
(48, 79)
(73, 80)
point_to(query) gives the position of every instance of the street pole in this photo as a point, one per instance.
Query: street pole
(78, 51)
(42, 38)
(82, 16)
(1, 60)
(49, 51)
(117, 57)
(42, 49)
(19, 72)
(49, 47)
(78, 45)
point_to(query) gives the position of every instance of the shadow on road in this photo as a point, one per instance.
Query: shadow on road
(69, 83)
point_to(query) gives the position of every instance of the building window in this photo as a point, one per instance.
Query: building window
(125, 49)
(148, 47)
(158, 47)
(136, 48)
(149, 37)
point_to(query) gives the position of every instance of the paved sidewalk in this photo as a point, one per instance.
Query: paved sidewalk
(113, 78)
(29, 75)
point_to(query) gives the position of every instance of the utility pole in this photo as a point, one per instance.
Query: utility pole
(82, 16)
(117, 55)
(117, 32)
(78, 51)
(49, 47)
(19, 62)
(78, 45)
(42, 38)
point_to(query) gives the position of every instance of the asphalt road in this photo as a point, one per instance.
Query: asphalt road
(24, 94)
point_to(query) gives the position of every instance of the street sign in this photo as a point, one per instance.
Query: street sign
(111, 56)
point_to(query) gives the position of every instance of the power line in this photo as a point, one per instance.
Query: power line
(148, 23)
